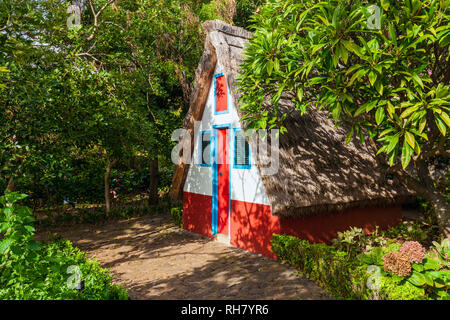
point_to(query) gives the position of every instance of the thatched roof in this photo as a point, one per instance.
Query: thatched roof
(317, 171)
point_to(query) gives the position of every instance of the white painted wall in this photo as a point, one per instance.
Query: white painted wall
(246, 184)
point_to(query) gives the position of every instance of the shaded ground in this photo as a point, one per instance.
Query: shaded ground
(153, 259)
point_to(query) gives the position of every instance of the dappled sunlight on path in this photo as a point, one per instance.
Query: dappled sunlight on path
(153, 259)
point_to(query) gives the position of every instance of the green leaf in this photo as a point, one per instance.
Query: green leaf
(276, 65)
(269, 67)
(8, 211)
(372, 77)
(417, 267)
(379, 87)
(417, 279)
(372, 104)
(337, 111)
(382, 149)
(33, 245)
(356, 75)
(408, 111)
(317, 47)
(379, 115)
(349, 136)
(417, 80)
(407, 152)
(30, 228)
(444, 116)
(393, 141)
(385, 132)
(390, 109)
(422, 124)
(409, 137)
(431, 264)
(352, 47)
(316, 80)
(353, 68)
(392, 33)
(344, 54)
(417, 149)
(441, 125)
(336, 57)
(385, 4)
(5, 244)
(300, 94)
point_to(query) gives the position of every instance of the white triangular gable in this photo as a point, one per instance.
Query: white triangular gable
(245, 184)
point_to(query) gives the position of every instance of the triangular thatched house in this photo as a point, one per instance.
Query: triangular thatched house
(321, 186)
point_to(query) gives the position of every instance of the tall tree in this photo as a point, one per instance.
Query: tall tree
(149, 48)
(384, 70)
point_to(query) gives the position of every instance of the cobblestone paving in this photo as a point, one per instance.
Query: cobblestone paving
(153, 259)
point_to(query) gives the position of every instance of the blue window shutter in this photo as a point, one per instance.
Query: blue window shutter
(205, 156)
(241, 150)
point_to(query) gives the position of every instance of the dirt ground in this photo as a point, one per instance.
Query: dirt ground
(153, 259)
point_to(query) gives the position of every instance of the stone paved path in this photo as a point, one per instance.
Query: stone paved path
(153, 259)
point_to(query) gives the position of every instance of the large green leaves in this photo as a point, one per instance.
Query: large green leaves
(387, 79)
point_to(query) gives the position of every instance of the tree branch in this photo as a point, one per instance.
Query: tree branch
(6, 27)
(96, 15)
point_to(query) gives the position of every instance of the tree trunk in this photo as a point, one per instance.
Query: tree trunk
(109, 166)
(153, 186)
(11, 185)
(12, 182)
(441, 211)
(428, 192)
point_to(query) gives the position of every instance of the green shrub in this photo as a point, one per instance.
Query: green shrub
(33, 270)
(427, 279)
(395, 288)
(356, 240)
(208, 11)
(347, 278)
(244, 10)
(177, 216)
(334, 270)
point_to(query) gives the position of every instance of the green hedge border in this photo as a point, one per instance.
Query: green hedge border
(333, 270)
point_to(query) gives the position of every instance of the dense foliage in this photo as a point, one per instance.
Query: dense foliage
(90, 94)
(334, 270)
(411, 267)
(382, 73)
(371, 266)
(91, 90)
(244, 10)
(33, 270)
(177, 216)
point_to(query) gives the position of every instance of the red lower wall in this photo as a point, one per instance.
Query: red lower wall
(197, 213)
(252, 225)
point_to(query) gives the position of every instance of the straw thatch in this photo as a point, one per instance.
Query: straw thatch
(318, 172)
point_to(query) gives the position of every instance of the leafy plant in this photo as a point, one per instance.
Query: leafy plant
(431, 276)
(32, 270)
(356, 240)
(347, 278)
(177, 216)
(443, 250)
(387, 85)
(342, 276)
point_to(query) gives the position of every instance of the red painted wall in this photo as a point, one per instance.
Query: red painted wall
(197, 213)
(252, 225)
